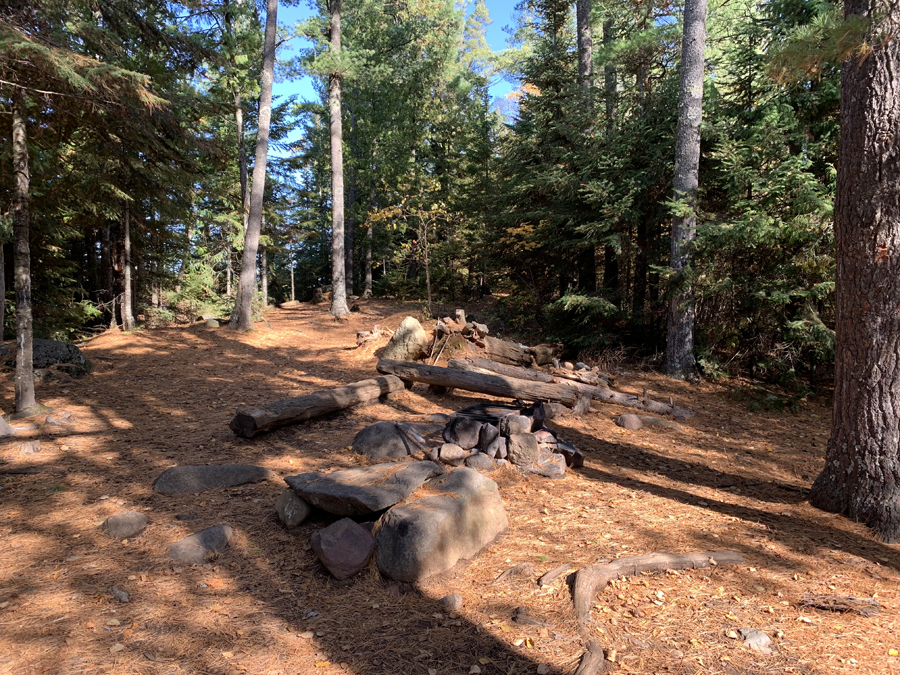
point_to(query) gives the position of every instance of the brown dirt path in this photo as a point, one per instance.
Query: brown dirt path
(729, 479)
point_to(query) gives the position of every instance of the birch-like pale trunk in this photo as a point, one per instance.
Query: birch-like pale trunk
(338, 272)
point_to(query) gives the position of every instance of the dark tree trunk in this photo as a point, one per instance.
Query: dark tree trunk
(639, 297)
(338, 273)
(2, 292)
(127, 309)
(861, 477)
(351, 235)
(24, 377)
(680, 361)
(241, 316)
(587, 270)
(609, 76)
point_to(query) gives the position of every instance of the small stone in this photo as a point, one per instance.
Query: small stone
(543, 669)
(480, 461)
(291, 509)
(29, 448)
(545, 436)
(502, 449)
(187, 479)
(451, 602)
(119, 594)
(59, 419)
(212, 323)
(487, 439)
(756, 640)
(548, 464)
(452, 454)
(580, 365)
(630, 422)
(118, 647)
(125, 525)
(344, 548)
(197, 548)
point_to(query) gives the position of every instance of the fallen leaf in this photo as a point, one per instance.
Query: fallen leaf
(483, 661)
(893, 652)
(474, 670)
(228, 655)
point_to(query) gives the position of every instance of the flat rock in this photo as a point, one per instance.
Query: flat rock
(480, 461)
(464, 431)
(651, 421)
(125, 525)
(29, 448)
(187, 479)
(344, 548)
(59, 419)
(522, 449)
(408, 342)
(456, 517)
(363, 491)
(548, 464)
(291, 509)
(630, 422)
(515, 424)
(382, 440)
(200, 547)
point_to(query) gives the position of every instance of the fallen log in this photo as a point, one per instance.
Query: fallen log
(590, 579)
(250, 421)
(492, 383)
(598, 393)
(507, 352)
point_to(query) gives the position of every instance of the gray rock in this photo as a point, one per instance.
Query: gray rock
(45, 375)
(363, 491)
(523, 449)
(382, 440)
(50, 352)
(502, 449)
(756, 640)
(408, 342)
(548, 464)
(451, 602)
(630, 422)
(440, 418)
(488, 439)
(545, 436)
(212, 323)
(186, 479)
(452, 454)
(291, 509)
(200, 547)
(515, 424)
(6, 429)
(344, 548)
(429, 535)
(480, 461)
(119, 594)
(580, 365)
(464, 431)
(574, 456)
(60, 419)
(651, 421)
(125, 525)
(29, 448)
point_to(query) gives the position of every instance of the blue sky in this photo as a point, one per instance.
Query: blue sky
(500, 11)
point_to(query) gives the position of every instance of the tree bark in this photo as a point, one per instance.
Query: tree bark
(264, 276)
(127, 309)
(24, 377)
(494, 384)
(250, 421)
(2, 292)
(861, 477)
(241, 316)
(585, 42)
(338, 272)
(680, 361)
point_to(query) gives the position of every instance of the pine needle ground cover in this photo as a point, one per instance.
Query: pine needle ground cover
(728, 479)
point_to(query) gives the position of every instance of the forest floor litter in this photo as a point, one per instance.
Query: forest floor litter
(816, 593)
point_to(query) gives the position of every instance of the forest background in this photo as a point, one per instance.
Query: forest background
(559, 201)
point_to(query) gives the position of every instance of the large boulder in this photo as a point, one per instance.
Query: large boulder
(382, 440)
(362, 491)
(429, 535)
(47, 353)
(408, 342)
(344, 548)
(187, 479)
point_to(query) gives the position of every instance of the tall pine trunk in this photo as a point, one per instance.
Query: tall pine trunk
(241, 316)
(127, 309)
(861, 477)
(680, 361)
(24, 377)
(264, 276)
(338, 272)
